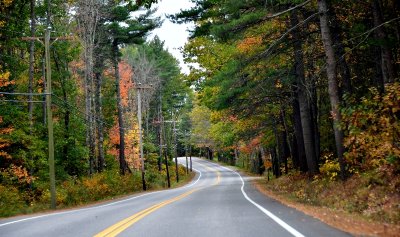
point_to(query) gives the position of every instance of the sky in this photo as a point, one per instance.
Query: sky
(174, 35)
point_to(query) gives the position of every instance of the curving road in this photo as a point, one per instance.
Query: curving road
(218, 202)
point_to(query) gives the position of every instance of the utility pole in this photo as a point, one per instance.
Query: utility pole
(160, 123)
(159, 162)
(187, 164)
(161, 151)
(186, 154)
(139, 87)
(190, 157)
(176, 154)
(175, 146)
(49, 113)
(50, 120)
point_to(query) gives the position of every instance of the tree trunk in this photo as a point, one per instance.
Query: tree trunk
(332, 83)
(122, 161)
(31, 64)
(298, 129)
(89, 105)
(378, 77)
(387, 65)
(343, 68)
(303, 98)
(99, 123)
(315, 119)
(31, 75)
(285, 154)
(67, 114)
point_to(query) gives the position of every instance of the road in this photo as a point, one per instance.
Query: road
(218, 202)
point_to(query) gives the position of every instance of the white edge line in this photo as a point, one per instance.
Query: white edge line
(105, 205)
(286, 226)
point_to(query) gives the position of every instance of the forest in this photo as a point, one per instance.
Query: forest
(305, 92)
(308, 90)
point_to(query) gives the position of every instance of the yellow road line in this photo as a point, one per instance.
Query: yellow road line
(120, 226)
(117, 228)
(218, 174)
(214, 170)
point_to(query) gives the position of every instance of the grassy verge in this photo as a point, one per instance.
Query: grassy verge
(364, 205)
(75, 192)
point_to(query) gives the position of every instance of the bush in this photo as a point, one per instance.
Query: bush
(11, 201)
(374, 130)
(77, 191)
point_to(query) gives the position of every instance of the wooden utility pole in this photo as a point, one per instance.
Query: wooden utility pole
(186, 156)
(48, 92)
(139, 87)
(175, 146)
(176, 153)
(160, 123)
(190, 157)
(50, 120)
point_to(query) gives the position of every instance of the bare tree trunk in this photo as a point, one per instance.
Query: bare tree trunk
(285, 144)
(31, 62)
(303, 98)
(387, 65)
(88, 16)
(315, 118)
(122, 161)
(343, 68)
(298, 129)
(332, 83)
(31, 73)
(89, 106)
(99, 118)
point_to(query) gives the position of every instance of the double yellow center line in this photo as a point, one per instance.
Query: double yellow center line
(117, 228)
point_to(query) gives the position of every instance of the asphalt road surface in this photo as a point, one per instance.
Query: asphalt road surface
(218, 202)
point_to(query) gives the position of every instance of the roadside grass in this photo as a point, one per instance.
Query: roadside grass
(365, 204)
(372, 195)
(75, 192)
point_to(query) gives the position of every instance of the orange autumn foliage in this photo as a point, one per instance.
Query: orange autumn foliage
(374, 130)
(249, 44)
(4, 143)
(131, 137)
(126, 83)
(249, 147)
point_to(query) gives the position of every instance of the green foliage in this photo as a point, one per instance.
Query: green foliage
(11, 201)
(81, 190)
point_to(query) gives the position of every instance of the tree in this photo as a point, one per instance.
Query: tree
(333, 88)
(89, 15)
(132, 31)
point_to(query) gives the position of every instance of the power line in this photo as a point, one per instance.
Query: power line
(23, 101)
(96, 118)
(19, 93)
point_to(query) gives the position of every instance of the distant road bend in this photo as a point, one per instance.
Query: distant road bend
(218, 202)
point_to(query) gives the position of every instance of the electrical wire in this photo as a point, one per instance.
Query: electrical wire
(23, 101)
(65, 104)
(20, 93)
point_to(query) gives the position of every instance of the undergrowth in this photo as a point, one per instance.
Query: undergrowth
(374, 195)
(76, 191)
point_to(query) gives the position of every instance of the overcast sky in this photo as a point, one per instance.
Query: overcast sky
(174, 35)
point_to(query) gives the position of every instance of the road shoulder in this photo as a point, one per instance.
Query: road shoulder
(339, 219)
